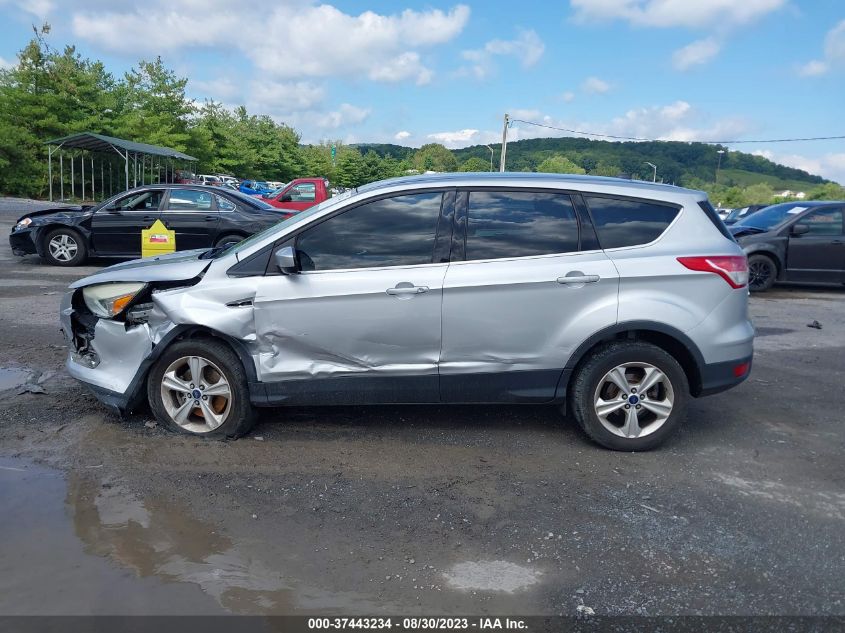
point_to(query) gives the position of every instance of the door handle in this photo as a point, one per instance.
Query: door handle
(578, 278)
(148, 218)
(400, 290)
(837, 242)
(210, 218)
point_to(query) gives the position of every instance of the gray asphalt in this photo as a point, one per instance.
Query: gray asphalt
(423, 510)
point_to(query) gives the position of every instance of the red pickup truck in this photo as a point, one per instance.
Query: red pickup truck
(299, 194)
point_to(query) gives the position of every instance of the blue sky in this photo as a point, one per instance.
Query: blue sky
(417, 72)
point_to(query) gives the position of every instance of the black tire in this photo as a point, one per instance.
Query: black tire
(586, 382)
(762, 272)
(228, 240)
(70, 237)
(240, 416)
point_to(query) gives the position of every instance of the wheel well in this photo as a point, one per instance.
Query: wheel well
(772, 256)
(668, 343)
(225, 236)
(46, 230)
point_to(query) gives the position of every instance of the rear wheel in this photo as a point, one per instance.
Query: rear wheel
(64, 247)
(199, 387)
(762, 272)
(629, 396)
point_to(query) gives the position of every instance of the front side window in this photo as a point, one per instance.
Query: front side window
(621, 223)
(145, 201)
(396, 231)
(823, 222)
(503, 224)
(189, 200)
(306, 192)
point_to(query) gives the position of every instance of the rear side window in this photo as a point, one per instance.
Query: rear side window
(621, 223)
(504, 224)
(395, 231)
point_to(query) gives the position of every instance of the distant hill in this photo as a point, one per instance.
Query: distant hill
(677, 162)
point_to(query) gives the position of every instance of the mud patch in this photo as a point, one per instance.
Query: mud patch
(496, 575)
(13, 377)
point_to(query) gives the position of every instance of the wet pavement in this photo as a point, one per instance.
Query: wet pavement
(423, 510)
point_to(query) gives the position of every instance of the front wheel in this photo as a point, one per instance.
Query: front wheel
(629, 396)
(199, 387)
(64, 247)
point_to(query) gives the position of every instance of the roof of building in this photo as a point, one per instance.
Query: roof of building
(101, 143)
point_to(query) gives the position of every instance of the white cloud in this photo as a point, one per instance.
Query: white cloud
(696, 14)
(6, 64)
(295, 40)
(594, 85)
(696, 53)
(459, 138)
(830, 165)
(834, 53)
(294, 96)
(219, 89)
(402, 135)
(345, 115)
(528, 48)
(39, 8)
(568, 96)
(813, 68)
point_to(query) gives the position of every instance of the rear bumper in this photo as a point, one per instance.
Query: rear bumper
(717, 377)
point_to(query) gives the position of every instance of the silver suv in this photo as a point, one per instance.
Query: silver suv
(615, 300)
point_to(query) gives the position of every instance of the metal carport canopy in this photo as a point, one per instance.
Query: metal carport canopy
(101, 143)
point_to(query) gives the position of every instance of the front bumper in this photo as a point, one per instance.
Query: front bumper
(110, 358)
(24, 242)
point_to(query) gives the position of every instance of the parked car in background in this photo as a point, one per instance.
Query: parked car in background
(723, 213)
(793, 241)
(737, 214)
(212, 181)
(299, 194)
(618, 301)
(254, 187)
(228, 180)
(201, 216)
(182, 177)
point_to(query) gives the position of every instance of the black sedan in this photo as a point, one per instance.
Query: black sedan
(202, 217)
(793, 241)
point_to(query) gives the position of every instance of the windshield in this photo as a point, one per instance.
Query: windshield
(280, 226)
(771, 216)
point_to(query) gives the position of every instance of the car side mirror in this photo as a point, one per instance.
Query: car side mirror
(799, 229)
(285, 259)
(286, 197)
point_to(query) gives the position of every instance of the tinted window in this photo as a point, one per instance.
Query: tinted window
(627, 222)
(771, 216)
(189, 200)
(140, 201)
(224, 204)
(391, 232)
(823, 222)
(519, 224)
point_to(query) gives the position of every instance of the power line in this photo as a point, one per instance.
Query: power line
(653, 140)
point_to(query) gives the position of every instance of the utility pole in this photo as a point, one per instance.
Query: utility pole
(504, 144)
(654, 167)
(719, 164)
(491, 156)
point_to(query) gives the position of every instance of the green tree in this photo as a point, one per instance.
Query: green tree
(474, 163)
(828, 191)
(435, 157)
(559, 165)
(603, 168)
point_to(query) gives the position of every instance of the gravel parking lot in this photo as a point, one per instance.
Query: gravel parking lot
(423, 510)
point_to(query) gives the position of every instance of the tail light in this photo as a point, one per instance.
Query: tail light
(731, 268)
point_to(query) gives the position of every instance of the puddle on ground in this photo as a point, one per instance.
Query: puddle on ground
(65, 536)
(496, 575)
(13, 377)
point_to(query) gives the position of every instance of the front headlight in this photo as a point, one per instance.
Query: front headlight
(108, 300)
(23, 223)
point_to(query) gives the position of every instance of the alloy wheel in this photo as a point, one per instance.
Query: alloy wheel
(634, 399)
(759, 273)
(63, 247)
(196, 394)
